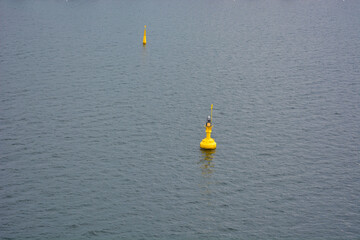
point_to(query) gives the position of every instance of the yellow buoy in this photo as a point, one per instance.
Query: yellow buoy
(144, 39)
(208, 142)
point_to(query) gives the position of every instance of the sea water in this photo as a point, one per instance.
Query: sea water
(99, 135)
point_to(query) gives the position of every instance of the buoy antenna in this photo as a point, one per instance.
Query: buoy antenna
(211, 112)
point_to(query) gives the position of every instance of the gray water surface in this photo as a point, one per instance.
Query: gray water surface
(99, 135)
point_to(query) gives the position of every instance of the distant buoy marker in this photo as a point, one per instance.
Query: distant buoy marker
(208, 142)
(144, 39)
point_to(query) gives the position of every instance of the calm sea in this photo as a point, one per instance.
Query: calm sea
(99, 135)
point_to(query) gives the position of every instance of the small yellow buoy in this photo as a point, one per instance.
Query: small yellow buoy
(208, 142)
(144, 39)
